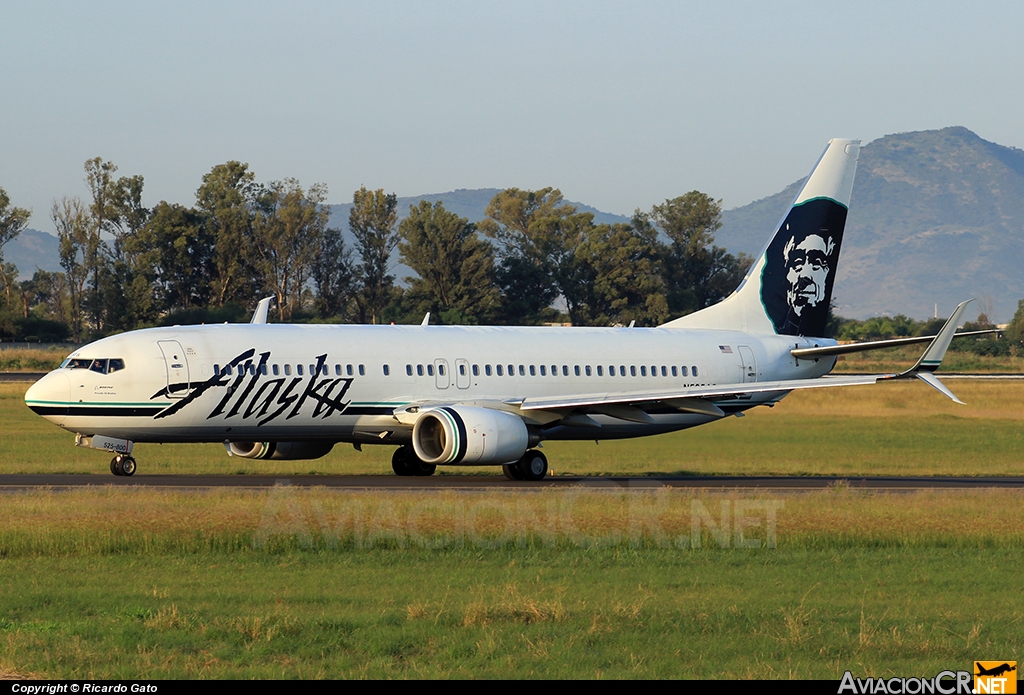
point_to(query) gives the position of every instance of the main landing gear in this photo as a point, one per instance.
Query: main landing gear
(532, 466)
(122, 464)
(405, 462)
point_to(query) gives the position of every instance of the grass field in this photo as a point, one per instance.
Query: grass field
(310, 583)
(889, 429)
(583, 582)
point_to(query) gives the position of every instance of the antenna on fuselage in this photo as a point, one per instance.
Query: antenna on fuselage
(262, 311)
(426, 320)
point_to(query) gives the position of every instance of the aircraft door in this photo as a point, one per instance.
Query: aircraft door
(442, 378)
(462, 378)
(176, 366)
(749, 364)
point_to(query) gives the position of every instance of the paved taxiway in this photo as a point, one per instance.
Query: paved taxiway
(21, 483)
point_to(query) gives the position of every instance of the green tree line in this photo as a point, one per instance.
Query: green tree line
(534, 259)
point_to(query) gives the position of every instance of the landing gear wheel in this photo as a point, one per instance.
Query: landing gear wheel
(511, 471)
(400, 462)
(128, 465)
(532, 466)
(405, 462)
(122, 465)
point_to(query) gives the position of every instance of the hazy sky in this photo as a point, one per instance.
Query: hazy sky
(621, 105)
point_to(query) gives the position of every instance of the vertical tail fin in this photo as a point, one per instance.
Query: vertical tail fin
(789, 288)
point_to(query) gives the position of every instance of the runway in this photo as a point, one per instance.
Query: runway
(354, 483)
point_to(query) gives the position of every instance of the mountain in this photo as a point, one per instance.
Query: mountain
(936, 217)
(33, 250)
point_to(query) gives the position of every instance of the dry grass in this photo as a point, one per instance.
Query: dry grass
(31, 359)
(121, 520)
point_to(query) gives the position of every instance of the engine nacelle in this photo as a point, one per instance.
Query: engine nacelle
(281, 451)
(466, 435)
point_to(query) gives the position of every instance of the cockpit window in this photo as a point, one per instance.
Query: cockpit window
(100, 366)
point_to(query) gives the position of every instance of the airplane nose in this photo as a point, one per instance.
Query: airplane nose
(50, 396)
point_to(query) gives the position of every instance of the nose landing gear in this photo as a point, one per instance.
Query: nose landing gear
(122, 464)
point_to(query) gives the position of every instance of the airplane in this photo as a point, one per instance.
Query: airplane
(480, 395)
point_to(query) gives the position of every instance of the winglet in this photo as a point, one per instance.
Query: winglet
(933, 354)
(262, 311)
(936, 350)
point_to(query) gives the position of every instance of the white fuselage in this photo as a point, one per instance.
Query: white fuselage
(275, 382)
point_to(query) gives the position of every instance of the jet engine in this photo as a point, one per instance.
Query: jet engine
(281, 451)
(467, 435)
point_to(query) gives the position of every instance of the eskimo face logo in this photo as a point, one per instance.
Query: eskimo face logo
(808, 265)
(800, 267)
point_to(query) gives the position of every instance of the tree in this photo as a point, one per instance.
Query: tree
(697, 273)
(177, 246)
(536, 233)
(455, 266)
(227, 199)
(620, 277)
(373, 221)
(73, 223)
(286, 235)
(12, 221)
(333, 273)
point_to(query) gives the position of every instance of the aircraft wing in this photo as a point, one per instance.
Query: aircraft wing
(698, 399)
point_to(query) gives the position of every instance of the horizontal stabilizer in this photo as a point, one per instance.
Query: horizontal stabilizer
(830, 350)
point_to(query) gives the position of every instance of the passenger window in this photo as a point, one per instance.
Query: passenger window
(387, 370)
(408, 369)
(440, 369)
(216, 370)
(533, 370)
(298, 369)
(576, 370)
(252, 369)
(554, 370)
(419, 369)
(348, 369)
(263, 369)
(362, 370)
(487, 369)
(337, 370)
(632, 370)
(462, 370)
(522, 370)
(430, 370)
(643, 370)
(674, 371)
(686, 372)
(543, 370)
(498, 369)
(511, 370)
(694, 368)
(622, 370)
(276, 370)
(565, 370)
(476, 370)
(587, 369)
(664, 372)
(600, 370)
(287, 370)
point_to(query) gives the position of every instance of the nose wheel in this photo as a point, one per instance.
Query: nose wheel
(122, 465)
